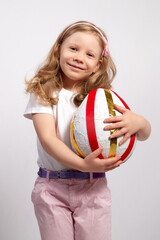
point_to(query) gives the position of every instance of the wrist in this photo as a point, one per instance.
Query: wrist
(79, 164)
(83, 166)
(144, 129)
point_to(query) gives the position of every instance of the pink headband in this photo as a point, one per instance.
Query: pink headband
(105, 51)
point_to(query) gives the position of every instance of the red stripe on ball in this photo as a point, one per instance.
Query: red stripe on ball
(92, 138)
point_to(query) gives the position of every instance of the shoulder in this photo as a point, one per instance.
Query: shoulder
(35, 106)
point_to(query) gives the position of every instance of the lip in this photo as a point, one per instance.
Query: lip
(75, 66)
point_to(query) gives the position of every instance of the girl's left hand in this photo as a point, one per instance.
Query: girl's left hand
(127, 124)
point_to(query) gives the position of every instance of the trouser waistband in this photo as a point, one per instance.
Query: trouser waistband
(69, 174)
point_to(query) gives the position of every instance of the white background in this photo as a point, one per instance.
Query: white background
(28, 30)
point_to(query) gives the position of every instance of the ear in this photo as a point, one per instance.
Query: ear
(98, 65)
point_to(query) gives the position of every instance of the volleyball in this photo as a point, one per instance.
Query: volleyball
(86, 129)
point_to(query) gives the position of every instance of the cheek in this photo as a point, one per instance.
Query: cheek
(93, 67)
(62, 60)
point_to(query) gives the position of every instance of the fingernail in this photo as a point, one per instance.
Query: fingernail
(105, 121)
(120, 163)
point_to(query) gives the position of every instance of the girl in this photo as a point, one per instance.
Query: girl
(71, 197)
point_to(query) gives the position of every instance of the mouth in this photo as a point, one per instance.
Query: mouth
(75, 66)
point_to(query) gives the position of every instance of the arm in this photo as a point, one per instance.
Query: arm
(144, 130)
(128, 123)
(45, 128)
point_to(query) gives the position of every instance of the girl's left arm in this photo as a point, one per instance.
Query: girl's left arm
(127, 124)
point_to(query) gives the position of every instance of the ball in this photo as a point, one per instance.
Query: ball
(87, 127)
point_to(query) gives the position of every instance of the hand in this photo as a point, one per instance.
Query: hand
(127, 124)
(94, 164)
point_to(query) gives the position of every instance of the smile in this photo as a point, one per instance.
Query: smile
(76, 67)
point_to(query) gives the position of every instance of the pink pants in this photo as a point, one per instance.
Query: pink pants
(73, 209)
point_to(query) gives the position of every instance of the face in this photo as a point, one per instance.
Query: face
(79, 57)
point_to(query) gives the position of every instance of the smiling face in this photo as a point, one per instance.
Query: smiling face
(79, 57)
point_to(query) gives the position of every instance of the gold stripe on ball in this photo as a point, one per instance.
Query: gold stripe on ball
(74, 141)
(112, 113)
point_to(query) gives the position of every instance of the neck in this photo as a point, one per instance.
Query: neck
(70, 85)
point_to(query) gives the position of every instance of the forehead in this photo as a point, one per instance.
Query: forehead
(87, 39)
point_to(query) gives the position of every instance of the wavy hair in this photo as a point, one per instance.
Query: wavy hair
(48, 77)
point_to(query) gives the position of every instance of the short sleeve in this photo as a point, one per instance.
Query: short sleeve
(34, 106)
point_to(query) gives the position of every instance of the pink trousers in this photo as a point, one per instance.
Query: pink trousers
(73, 209)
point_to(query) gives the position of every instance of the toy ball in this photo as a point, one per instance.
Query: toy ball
(87, 125)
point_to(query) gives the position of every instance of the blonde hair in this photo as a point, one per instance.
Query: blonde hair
(48, 77)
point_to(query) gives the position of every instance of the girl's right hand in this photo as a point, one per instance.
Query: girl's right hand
(95, 164)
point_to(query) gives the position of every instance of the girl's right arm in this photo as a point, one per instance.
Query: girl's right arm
(45, 128)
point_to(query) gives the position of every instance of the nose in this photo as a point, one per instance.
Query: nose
(79, 57)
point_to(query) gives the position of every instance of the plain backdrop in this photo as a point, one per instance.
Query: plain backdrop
(28, 30)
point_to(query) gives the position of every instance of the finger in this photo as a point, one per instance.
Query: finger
(96, 153)
(119, 133)
(120, 108)
(111, 161)
(124, 139)
(117, 164)
(113, 126)
(113, 119)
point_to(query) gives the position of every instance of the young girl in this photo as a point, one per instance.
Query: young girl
(71, 197)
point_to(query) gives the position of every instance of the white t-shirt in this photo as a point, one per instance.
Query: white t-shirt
(63, 113)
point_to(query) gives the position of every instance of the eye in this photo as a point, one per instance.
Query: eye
(73, 48)
(90, 55)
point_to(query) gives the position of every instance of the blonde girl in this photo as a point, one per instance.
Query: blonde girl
(71, 196)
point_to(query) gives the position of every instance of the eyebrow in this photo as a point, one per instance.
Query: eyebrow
(76, 45)
(72, 43)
